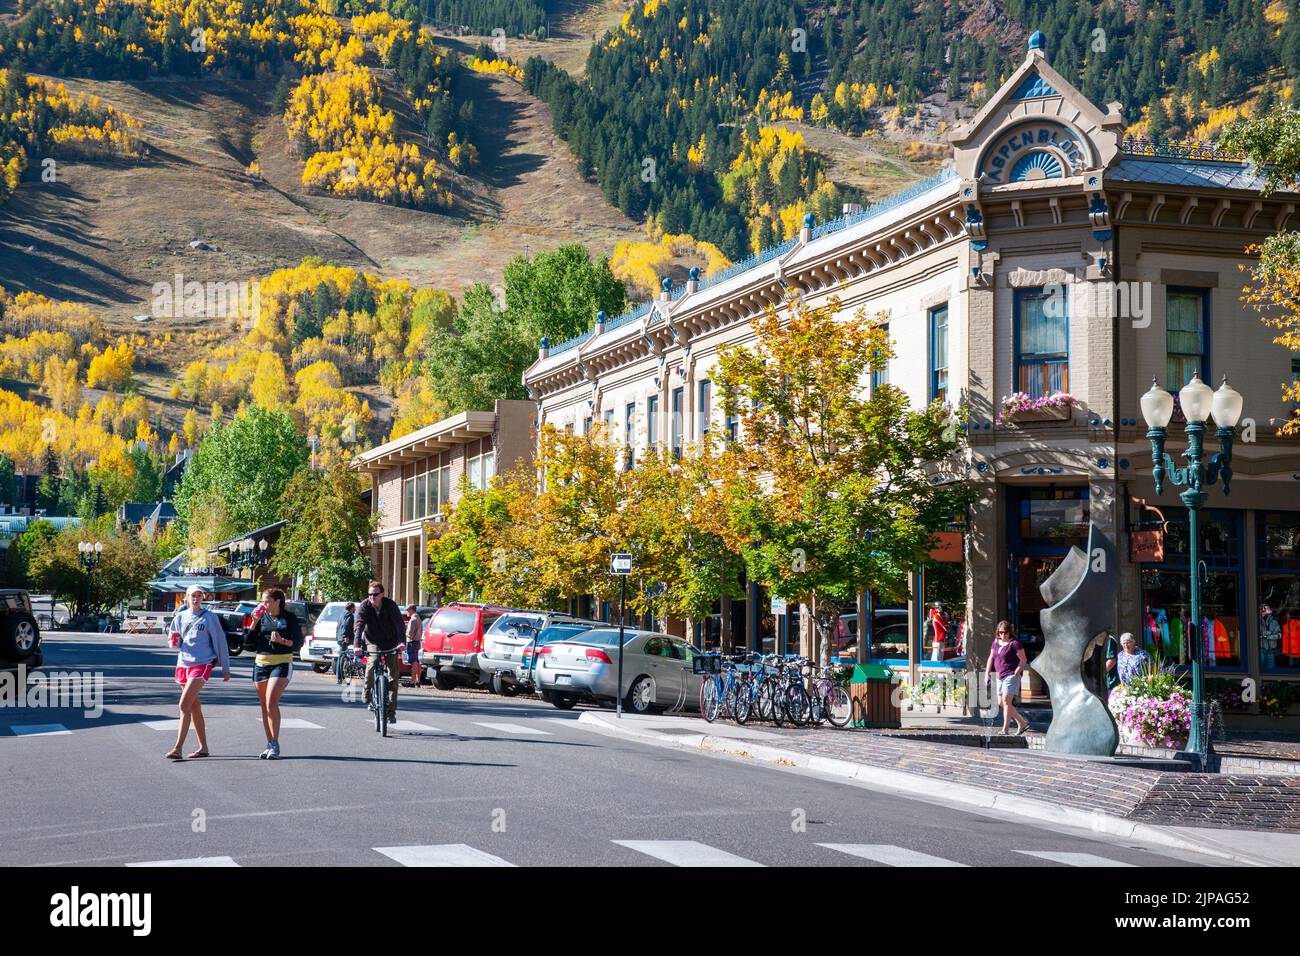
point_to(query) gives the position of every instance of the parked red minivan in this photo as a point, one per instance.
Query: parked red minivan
(453, 638)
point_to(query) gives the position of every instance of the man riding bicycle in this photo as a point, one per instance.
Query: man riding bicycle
(380, 626)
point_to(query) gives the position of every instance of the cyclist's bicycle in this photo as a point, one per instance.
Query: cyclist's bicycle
(379, 693)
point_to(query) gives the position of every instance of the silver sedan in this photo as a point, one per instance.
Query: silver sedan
(657, 671)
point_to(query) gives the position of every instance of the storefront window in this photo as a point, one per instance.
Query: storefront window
(1166, 629)
(1054, 517)
(889, 630)
(1220, 535)
(1278, 538)
(1279, 622)
(1031, 572)
(943, 626)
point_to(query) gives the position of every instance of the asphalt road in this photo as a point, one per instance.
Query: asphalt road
(467, 778)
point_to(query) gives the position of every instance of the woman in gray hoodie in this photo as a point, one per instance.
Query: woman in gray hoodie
(201, 643)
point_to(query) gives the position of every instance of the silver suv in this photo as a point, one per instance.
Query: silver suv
(508, 644)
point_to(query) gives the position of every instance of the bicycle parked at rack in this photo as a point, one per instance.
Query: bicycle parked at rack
(771, 687)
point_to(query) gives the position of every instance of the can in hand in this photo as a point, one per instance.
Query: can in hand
(175, 639)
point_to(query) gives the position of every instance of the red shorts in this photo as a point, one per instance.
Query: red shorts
(193, 672)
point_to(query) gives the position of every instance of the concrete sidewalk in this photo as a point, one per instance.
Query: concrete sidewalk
(1100, 796)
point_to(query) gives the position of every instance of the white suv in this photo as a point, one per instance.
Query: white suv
(507, 644)
(321, 645)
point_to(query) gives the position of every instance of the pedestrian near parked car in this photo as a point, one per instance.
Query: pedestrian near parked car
(200, 640)
(380, 627)
(343, 638)
(413, 628)
(1010, 660)
(275, 637)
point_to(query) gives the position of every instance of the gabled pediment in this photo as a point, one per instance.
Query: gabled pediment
(1037, 126)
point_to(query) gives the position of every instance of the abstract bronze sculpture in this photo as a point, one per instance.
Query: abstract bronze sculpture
(1081, 595)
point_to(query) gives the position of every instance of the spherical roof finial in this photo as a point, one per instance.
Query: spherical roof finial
(1038, 41)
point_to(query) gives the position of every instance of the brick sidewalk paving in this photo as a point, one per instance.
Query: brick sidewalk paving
(1135, 792)
(1229, 802)
(1112, 788)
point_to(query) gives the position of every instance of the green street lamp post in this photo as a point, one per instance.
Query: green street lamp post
(1198, 403)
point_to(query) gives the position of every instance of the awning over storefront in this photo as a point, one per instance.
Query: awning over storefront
(211, 583)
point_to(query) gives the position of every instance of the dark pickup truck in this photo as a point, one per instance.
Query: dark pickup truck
(237, 616)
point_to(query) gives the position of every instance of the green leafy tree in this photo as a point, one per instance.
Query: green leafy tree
(482, 358)
(146, 475)
(326, 537)
(8, 481)
(831, 491)
(1272, 142)
(18, 556)
(238, 474)
(557, 294)
(683, 563)
(48, 487)
(475, 556)
(123, 571)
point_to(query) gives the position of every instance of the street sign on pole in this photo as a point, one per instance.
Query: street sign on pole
(778, 605)
(621, 565)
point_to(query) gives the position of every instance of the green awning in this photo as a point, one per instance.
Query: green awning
(213, 584)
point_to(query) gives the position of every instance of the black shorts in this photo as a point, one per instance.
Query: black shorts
(264, 672)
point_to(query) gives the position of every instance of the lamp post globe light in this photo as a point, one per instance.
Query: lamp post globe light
(89, 554)
(1199, 403)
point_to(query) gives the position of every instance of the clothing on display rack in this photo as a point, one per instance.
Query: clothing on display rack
(938, 633)
(1291, 638)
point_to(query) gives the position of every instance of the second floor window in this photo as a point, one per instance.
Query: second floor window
(677, 422)
(652, 420)
(628, 436)
(881, 376)
(428, 492)
(1185, 338)
(1042, 342)
(704, 410)
(939, 353)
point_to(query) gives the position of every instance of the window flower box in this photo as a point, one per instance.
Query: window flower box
(1020, 407)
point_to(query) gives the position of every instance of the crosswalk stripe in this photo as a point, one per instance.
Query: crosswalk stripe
(38, 730)
(446, 854)
(889, 855)
(1074, 859)
(686, 853)
(297, 723)
(409, 725)
(514, 729)
(193, 861)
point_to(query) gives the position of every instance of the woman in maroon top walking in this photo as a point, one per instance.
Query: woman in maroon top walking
(1009, 658)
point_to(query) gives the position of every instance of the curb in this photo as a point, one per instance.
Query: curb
(912, 784)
